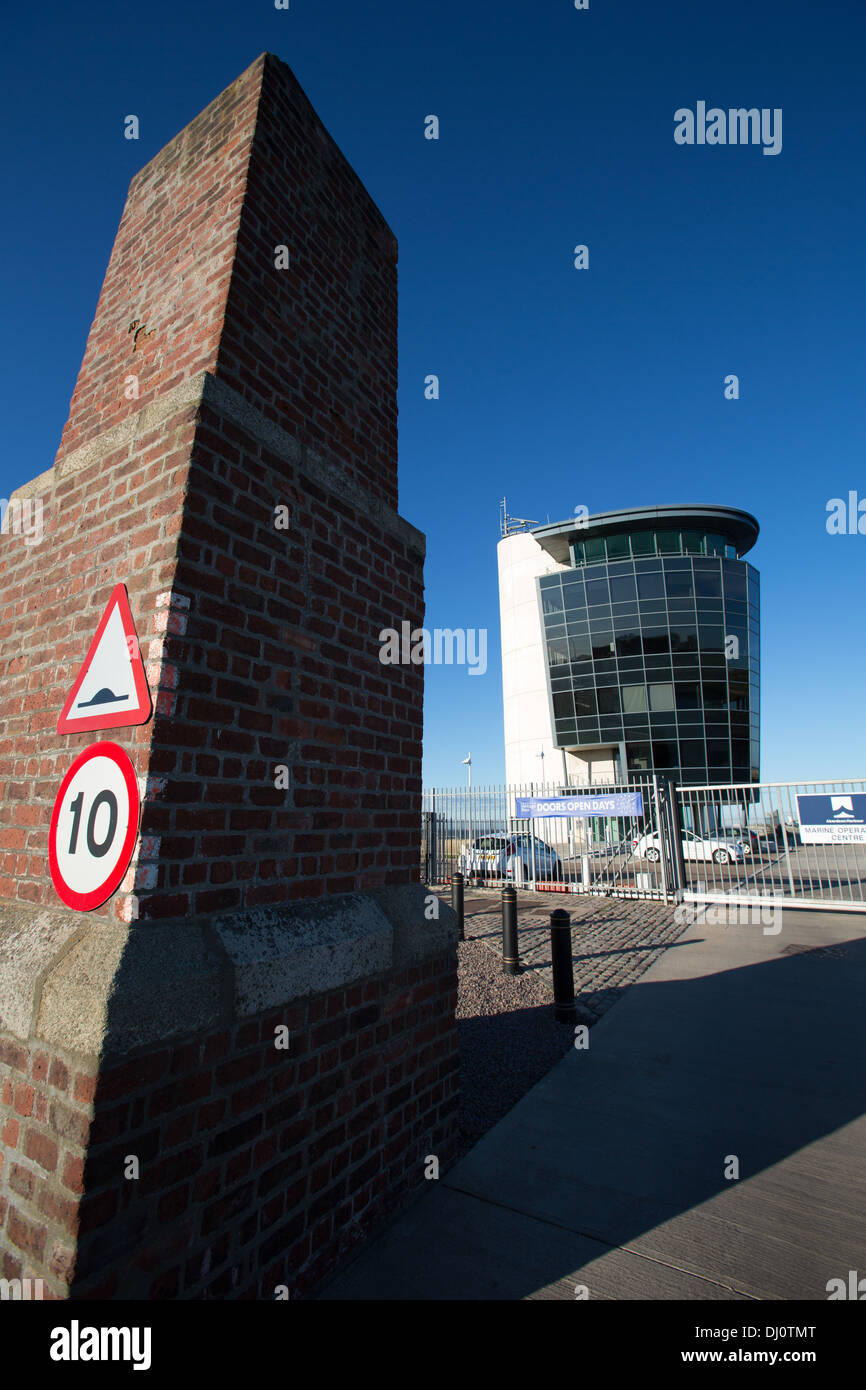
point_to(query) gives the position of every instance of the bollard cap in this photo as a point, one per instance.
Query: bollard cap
(509, 891)
(560, 918)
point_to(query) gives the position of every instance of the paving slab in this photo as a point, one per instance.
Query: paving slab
(736, 1048)
(407, 1266)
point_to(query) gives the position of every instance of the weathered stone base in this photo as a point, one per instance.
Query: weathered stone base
(259, 1166)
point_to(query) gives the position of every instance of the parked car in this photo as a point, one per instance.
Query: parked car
(483, 857)
(752, 839)
(506, 855)
(717, 849)
(748, 844)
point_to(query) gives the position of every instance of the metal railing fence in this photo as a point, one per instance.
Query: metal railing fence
(800, 841)
(481, 831)
(768, 842)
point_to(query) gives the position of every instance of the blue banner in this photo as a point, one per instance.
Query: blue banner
(833, 818)
(612, 804)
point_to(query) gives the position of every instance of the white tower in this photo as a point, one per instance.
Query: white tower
(525, 695)
(528, 728)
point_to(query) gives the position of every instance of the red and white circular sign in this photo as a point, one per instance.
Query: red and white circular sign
(94, 826)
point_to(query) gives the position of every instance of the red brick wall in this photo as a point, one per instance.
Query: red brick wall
(279, 665)
(116, 519)
(258, 1167)
(170, 267)
(44, 1117)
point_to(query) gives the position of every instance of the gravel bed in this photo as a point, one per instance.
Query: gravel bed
(508, 1038)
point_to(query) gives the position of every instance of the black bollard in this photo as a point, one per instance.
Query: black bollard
(510, 957)
(457, 899)
(563, 971)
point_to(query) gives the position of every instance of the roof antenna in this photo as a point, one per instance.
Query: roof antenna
(509, 524)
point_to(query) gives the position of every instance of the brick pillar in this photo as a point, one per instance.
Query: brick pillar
(231, 456)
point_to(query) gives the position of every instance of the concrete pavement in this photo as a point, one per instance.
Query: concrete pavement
(611, 1173)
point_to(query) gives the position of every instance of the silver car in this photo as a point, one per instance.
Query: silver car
(515, 856)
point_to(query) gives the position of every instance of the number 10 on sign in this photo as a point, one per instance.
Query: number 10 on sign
(94, 826)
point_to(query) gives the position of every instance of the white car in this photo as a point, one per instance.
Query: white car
(720, 851)
(504, 855)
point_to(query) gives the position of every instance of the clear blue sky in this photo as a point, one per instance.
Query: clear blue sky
(558, 387)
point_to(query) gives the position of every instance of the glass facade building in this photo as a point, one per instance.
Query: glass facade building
(652, 633)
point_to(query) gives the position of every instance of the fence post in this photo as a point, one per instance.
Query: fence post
(457, 899)
(563, 970)
(785, 842)
(663, 827)
(669, 810)
(510, 957)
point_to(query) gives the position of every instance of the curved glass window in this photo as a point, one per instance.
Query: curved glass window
(647, 542)
(622, 588)
(640, 654)
(597, 591)
(551, 600)
(618, 548)
(708, 580)
(651, 585)
(679, 583)
(643, 543)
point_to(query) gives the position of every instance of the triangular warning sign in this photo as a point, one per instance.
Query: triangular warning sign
(110, 690)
